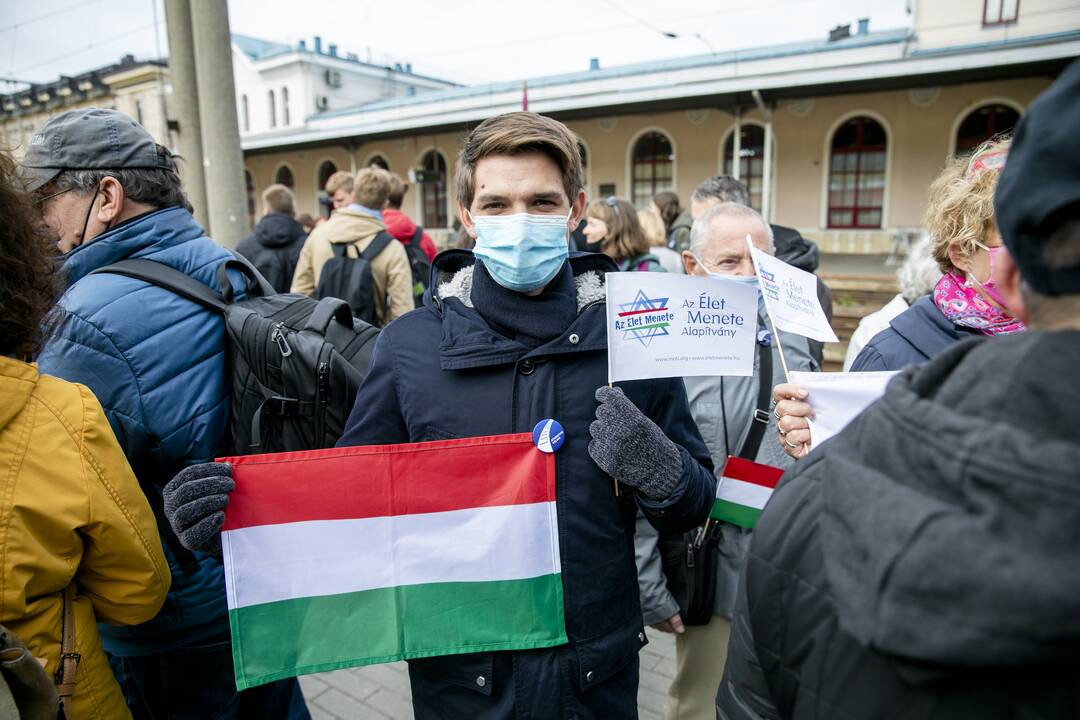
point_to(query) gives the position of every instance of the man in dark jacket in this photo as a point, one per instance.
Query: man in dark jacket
(274, 247)
(921, 564)
(511, 334)
(155, 361)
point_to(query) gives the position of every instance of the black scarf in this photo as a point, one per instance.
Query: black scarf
(530, 320)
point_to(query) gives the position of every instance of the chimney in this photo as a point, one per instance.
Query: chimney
(594, 63)
(839, 33)
(303, 45)
(864, 26)
(318, 44)
(352, 56)
(397, 67)
(333, 50)
(408, 68)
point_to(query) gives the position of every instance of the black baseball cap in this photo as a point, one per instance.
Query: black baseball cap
(1040, 184)
(90, 139)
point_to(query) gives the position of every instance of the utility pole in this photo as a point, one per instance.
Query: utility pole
(186, 103)
(223, 161)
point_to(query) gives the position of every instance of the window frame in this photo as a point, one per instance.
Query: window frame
(729, 137)
(273, 108)
(1001, 19)
(632, 183)
(859, 150)
(441, 200)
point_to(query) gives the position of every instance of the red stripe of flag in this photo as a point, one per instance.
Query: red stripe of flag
(641, 312)
(382, 480)
(738, 468)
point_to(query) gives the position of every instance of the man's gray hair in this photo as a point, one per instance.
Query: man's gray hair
(919, 273)
(724, 188)
(158, 187)
(699, 231)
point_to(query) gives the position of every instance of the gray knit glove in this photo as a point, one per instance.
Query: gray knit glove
(195, 503)
(630, 447)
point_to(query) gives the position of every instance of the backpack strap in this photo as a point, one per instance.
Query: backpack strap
(760, 421)
(69, 658)
(377, 245)
(417, 236)
(169, 279)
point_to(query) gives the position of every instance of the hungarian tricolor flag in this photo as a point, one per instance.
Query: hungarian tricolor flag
(743, 490)
(355, 556)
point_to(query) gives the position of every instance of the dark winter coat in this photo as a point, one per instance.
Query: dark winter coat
(441, 371)
(914, 336)
(274, 248)
(922, 564)
(156, 362)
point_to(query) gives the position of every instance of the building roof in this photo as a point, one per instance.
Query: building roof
(67, 89)
(859, 63)
(257, 49)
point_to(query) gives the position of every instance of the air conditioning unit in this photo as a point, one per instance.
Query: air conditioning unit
(322, 102)
(333, 78)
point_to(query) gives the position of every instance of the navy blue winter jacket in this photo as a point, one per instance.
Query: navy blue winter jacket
(157, 364)
(442, 372)
(914, 336)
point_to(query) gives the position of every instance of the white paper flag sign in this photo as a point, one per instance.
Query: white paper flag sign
(791, 297)
(837, 398)
(668, 325)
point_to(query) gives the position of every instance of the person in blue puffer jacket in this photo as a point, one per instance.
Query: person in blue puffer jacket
(156, 362)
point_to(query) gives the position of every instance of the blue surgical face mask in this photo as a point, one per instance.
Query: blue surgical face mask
(522, 252)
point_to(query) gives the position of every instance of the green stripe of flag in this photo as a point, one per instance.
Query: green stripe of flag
(315, 634)
(646, 327)
(741, 515)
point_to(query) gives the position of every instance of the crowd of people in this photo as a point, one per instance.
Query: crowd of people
(917, 565)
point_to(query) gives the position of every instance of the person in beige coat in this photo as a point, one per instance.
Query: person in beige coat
(357, 224)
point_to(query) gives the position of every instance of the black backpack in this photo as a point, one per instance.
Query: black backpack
(350, 279)
(420, 266)
(294, 363)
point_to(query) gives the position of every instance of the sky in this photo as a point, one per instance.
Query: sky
(467, 41)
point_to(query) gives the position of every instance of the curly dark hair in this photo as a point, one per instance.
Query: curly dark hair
(29, 270)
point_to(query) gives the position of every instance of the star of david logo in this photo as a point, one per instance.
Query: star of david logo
(642, 304)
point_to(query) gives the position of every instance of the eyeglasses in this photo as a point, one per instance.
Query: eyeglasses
(40, 201)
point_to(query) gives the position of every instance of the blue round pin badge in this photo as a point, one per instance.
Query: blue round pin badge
(548, 435)
(764, 338)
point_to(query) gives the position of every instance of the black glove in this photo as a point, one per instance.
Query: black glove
(195, 503)
(630, 447)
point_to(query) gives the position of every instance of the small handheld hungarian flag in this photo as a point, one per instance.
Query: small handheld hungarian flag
(356, 556)
(743, 490)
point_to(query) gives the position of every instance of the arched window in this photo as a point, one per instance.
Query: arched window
(751, 160)
(379, 161)
(857, 174)
(653, 169)
(284, 176)
(325, 171)
(246, 119)
(285, 106)
(983, 123)
(433, 189)
(273, 110)
(249, 189)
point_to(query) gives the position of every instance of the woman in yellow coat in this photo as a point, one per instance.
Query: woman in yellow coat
(71, 510)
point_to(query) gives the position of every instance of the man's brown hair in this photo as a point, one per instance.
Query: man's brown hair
(340, 179)
(518, 133)
(371, 187)
(398, 188)
(279, 199)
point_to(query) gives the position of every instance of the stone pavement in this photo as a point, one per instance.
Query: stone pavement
(379, 692)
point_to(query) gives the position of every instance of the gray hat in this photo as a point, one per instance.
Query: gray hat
(91, 139)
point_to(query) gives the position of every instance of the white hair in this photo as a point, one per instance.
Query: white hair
(699, 231)
(919, 273)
